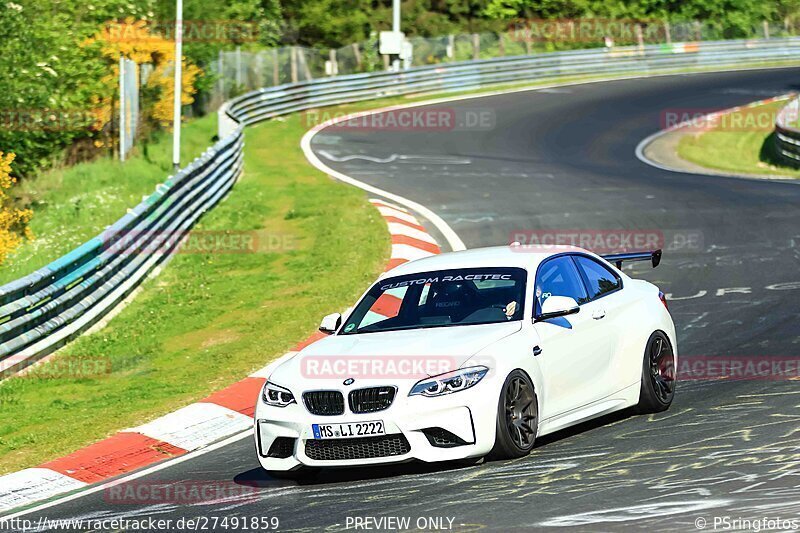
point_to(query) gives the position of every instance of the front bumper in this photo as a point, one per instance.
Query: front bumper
(466, 415)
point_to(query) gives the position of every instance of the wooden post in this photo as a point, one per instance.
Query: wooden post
(476, 46)
(639, 37)
(386, 63)
(293, 60)
(501, 45)
(667, 35)
(766, 30)
(451, 46)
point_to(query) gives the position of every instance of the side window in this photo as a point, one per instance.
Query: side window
(599, 279)
(559, 277)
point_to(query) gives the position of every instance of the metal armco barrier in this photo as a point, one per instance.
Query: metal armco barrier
(43, 311)
(787, 133)
(275, 101)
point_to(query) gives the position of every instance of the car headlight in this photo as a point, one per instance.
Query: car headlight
(276, 395)
(450, 382)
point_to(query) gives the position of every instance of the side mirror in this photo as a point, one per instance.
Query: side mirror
(557, 306)
(331, 323)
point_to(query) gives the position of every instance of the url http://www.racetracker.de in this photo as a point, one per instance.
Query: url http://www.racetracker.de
(197, 523)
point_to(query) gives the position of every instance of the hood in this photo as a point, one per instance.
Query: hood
(448, 348)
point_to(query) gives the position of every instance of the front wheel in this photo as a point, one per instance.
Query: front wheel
(517, 418)
(658, 375)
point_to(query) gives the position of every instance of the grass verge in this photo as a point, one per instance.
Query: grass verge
(743, 142)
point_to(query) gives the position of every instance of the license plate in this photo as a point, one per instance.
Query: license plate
(348, 430)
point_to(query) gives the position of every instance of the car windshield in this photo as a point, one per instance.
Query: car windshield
(441, 298)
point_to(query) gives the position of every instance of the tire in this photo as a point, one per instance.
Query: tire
(517, 418)
(658, 375)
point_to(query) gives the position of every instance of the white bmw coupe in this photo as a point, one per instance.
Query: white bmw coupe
(471, 354)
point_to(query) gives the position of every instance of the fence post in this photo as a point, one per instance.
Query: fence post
(667, 34)
(276, 73)
(476, 46)
(766, 30)
(258, 69)
(301, 56)
(528, 38)
(334, 64)
(501, 45)
(451, 46)
(357, 54)
(122, 107)
(293, 61)
(221, 83)
(238, 67)
(640, 37)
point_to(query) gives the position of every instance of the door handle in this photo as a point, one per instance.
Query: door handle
(536, 351)
(598, 314)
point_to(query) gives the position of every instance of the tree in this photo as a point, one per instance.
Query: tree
(13, 222)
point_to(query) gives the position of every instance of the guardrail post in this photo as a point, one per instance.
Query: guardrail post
(766, 30)
(501, 45)
(450, 51)
(476, 46)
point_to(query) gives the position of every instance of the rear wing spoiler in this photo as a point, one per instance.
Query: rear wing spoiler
(654, 257)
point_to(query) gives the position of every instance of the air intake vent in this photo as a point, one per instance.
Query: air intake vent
(358, 448)
(372, 399)
(324, 402)
(282, 447)
(441, 438)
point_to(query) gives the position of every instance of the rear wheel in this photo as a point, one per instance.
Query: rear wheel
(517, 418)
(658, 375)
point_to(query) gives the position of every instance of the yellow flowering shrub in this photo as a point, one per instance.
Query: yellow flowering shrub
(13, 222)
(134, 40)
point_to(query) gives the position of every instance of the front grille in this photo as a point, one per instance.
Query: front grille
(324, 402)
(282, 447)
(441, 438)
(359, 448)
(371, 400)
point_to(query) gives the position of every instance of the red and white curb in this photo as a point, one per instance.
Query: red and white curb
(220, 415)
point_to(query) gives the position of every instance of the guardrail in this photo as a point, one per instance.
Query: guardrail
(41, 312)
(787, 133)
(275, 101)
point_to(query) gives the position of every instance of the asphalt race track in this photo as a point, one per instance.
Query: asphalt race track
(564, 159)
